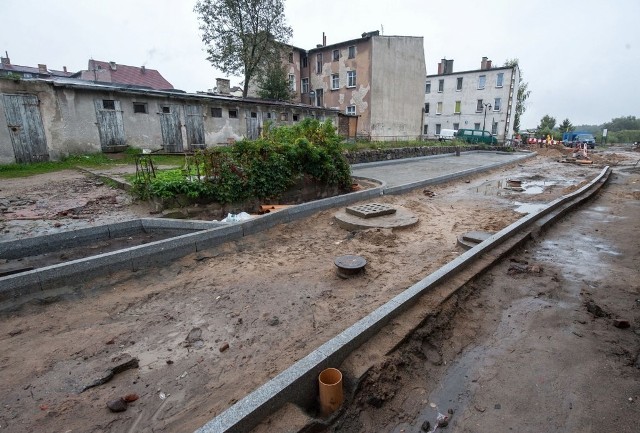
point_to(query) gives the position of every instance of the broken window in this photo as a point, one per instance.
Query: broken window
(108, 104)
(295, 117)
(351, 78)
(233, 114)
(352, 52)
(336, 55)
(216, 112)
(140, 107)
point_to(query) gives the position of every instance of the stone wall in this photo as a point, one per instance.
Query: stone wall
(374, 155)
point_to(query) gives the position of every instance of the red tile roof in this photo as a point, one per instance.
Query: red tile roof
(111, 72)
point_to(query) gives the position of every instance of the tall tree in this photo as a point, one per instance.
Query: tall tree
(566, 126)
(273, 83)
(521, 97)
(242, 36)
(623, 124)
(547, 122)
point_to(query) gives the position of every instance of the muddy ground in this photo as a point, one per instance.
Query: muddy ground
(211, 327)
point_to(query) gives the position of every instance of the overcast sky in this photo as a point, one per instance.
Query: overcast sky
(581, 58)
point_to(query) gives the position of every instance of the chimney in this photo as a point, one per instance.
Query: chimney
(447, 67)
(324, 40)
(113, 66)
(42, 69)
(440, 68)
(488, 64)
(483, 64)
(224, 86)
(5, 60)
(143, 69)
(64, 68)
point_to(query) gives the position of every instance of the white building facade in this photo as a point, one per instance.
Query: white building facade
(480, 99)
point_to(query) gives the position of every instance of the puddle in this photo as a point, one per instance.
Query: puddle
(522, 185)
(527, 208)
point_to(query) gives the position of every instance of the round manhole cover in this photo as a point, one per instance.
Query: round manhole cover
(350, 265)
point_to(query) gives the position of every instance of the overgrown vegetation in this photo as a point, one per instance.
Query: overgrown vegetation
(258, 169)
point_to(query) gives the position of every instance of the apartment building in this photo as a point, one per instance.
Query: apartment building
(378, 79)
(478, 99)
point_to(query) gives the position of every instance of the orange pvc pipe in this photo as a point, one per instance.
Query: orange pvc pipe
(331, 397)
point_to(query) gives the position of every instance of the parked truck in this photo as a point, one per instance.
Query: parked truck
(574, 137)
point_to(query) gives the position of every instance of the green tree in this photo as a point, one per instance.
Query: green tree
(566, 126)
(242, 36)
(622, 124)
(546, 126)
(521, 97)
(273, 83)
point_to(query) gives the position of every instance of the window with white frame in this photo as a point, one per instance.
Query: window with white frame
(440, 86)
(499, 79)
(305, 85)
(335, 81)
(497, 104)
(352, 52)
(479, 105)
(336, 55)
(494, 128)
(351, 110)
(482, 79)
(427, 87)
(351, 78)
(459, 83)
(439, 108)
(292, 82)
(457, 107)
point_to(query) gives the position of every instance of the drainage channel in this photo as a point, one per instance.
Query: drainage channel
(296, 388)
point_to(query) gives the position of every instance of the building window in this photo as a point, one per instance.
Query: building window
(439, 108)
(482, 79)
(352, 52)
(459, 84)
(456, 126)
(427, 87)
(305, 61)
(319, 97)
(292, 82)
(108, 104)
(295, 117)
(254, 115)
(319, 63)
(457, 109)
(476, 126)
(497, 103)
(140, 107)
(216, 112)
(426, 108)
(438, 128)
(335, 81)
(166, 109)
(268, 114)
(440, 86)
(479, 106)
(494, 128)
(336, 55)
(351, 78)
(290, 57)
(233, 114)
(305, 85)
(284, 116)
(499, 79)
(351, 110)
(426, 130)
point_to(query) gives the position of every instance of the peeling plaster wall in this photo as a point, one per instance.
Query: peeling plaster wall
(397, 77)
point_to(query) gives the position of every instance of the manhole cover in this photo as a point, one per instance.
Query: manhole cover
(350, 265)
(371, 210)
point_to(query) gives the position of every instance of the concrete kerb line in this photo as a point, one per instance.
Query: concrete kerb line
(299, 379)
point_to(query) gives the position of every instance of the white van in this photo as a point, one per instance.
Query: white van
(446, 134)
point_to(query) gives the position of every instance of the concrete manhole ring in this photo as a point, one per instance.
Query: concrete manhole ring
(401, 218)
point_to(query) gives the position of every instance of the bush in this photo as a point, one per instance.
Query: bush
(262, 169)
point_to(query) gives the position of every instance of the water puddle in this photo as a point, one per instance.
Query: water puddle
(527, 208)
(530, 186)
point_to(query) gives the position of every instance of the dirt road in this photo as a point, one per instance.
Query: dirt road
(210, 327)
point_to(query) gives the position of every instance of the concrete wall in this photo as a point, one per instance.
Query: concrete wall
(397, 86)
(70, 123)
(468, 97)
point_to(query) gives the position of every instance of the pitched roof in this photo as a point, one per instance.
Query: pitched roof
(33, 70)
(112, 72)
